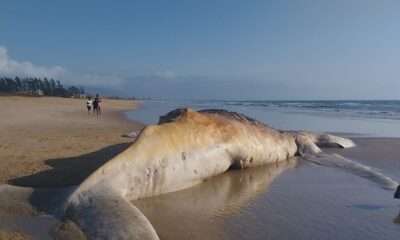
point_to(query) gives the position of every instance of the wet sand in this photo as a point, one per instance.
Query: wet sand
(52, 142)
(289, 200)
(381, 153)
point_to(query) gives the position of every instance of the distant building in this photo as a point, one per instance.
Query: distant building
(25, 93)
(31, 93)
(38, 93)
(82, 96)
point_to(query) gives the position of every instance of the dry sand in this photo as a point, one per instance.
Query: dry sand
(54, 142)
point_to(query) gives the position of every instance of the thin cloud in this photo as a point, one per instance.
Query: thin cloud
(12, 68)
(165, 74)
(94, 80)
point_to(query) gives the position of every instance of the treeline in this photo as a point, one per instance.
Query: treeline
(38, 86)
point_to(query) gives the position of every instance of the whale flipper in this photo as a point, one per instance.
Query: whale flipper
(109, 216)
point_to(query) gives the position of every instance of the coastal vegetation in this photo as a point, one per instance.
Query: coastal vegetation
(37, 86)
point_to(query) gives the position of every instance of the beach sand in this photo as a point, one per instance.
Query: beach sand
(54, 142)
(47, 143)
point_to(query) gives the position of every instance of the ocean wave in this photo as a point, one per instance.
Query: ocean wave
(363, 109)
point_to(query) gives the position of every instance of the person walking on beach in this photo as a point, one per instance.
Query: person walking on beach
(96, 105)
(89, 104)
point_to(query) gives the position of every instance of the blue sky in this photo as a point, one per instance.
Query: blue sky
(239, 50)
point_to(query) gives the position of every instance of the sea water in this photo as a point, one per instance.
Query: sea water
(290, 200)
(366, 118)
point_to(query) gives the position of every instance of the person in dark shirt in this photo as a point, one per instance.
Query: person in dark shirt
(96, 104)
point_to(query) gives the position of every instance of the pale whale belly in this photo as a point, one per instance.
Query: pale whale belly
(179, 154)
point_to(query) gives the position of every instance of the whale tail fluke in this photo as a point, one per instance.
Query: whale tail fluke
(310, 143)
(326, 140)
(108, 216)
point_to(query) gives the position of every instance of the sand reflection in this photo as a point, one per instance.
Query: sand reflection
(200, 211)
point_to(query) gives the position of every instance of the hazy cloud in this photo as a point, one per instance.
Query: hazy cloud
(93, 80)
(12, 68)
(165, 73)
